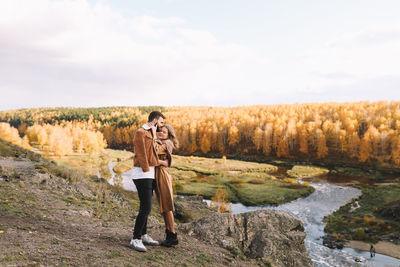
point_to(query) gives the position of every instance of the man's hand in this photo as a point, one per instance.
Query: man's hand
(163, 163)
(154, 132)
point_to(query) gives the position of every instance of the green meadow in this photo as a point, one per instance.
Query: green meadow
(249, 183)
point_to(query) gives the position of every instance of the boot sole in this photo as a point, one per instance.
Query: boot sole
(169, 245)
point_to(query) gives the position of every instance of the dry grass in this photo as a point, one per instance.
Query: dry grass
(306, 171)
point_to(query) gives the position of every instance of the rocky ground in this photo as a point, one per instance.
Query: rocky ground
(52, 216)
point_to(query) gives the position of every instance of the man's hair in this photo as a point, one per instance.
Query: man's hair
(155, 115)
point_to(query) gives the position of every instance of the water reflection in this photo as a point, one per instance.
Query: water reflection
(123, 179)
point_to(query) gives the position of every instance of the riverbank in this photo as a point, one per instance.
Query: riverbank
(372, 217)
(382, 247)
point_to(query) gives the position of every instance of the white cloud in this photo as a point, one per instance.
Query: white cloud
(72, 46)
(354, 58)
(78, 54)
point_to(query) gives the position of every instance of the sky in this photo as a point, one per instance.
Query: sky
(92, 53)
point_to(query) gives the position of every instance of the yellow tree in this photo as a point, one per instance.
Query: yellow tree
(42, 137)
(365, 148)
(126, 137)
(9, 134)
(22, 128)
(118, 138)
(233, 137)
(322, 150)
(108, 132)
(258, 138)
(375, 137)
(303, 141)
(193, 137)
(283, 147)
(214, 137)
(77, 141)
(183, 135)
(59, 142)
(353, 142)
(395, 153)
(383, 145)
(25, 143)
(101, 142)
(267, 139)
(205, 145)
(291, 133)
(222, 140)
(277, 137)
(220, 201)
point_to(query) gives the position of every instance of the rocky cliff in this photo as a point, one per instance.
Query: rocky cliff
(275, 237)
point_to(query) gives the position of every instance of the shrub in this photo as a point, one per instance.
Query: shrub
(290, 180)
(360, 234)
(220, 201)
(338, 236)
(369, 220)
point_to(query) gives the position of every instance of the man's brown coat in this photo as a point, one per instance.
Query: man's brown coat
(145, 153)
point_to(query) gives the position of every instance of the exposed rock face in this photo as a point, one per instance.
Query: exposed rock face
(273, 236)
(332, 242)
(191, 208)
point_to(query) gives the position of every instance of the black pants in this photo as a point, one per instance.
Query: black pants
(145, 191)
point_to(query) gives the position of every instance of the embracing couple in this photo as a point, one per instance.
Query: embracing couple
(153, 145)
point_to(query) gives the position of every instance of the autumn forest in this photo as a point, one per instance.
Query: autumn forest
(365, 132)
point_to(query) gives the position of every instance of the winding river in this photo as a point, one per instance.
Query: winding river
(330, 193)
(326, 198)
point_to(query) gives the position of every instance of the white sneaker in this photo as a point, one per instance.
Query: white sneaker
(149, 241)
(137, 244)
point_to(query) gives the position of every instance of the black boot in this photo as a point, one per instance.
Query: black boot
(170, 240)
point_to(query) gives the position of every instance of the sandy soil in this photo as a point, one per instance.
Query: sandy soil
(385, 248)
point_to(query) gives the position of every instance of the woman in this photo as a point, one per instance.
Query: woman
(168, 142)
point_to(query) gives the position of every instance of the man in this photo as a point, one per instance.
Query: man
(143, 175)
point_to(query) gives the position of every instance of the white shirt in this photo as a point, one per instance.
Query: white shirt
(138, 173)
